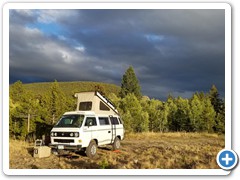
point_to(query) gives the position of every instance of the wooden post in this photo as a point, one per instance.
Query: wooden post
(29, 122)
(53, 119)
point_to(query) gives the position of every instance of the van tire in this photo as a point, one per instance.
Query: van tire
(116, 144)
(91, 150)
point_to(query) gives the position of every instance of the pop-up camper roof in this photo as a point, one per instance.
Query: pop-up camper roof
(94, 101)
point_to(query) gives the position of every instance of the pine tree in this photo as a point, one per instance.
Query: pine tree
(219, 108)
(16, 91)
(13, 123)
(216, 101)
(164, 111)
(17, 113)
(172, 109)
(56, 102)
(24, 111)
(220, 123)
(130, 84)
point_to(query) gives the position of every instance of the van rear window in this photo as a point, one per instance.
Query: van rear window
(120, 120)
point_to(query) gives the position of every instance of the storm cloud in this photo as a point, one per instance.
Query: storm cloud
(172, 51)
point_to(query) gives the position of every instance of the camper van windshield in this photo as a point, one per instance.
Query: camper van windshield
(70, 121)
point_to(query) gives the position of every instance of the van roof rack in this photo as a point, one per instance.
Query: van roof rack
(106, 101)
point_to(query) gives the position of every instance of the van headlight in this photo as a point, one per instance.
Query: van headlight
(53, 134)
(71, 134)
(76, 134)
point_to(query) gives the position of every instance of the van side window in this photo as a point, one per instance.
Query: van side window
(85, 106)
(114, 120)
(90, 121)
(103, 121)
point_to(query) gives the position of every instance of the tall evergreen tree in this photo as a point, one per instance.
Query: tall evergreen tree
(16, 114)
(130, 84)
(216, 101)
(16, 91)
(13, 122)
(219, 108)
(219, 126)
(24, 111)
(171, 116)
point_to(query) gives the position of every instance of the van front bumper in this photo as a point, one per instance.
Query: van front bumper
(66, 147)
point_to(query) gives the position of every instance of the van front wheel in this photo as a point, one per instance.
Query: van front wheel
(91, 150)
(116, 144)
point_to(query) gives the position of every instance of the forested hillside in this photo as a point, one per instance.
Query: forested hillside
(35, 108)
(69, 88)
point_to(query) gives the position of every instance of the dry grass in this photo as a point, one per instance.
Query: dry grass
(145, 151)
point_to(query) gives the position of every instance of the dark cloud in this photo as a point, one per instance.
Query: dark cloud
(172, 51)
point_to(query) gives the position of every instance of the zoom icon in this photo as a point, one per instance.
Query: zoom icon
(227, 159)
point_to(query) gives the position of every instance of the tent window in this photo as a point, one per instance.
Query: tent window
(85, 106)
(103, 107)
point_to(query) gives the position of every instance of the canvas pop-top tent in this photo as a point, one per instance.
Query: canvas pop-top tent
(94, 101)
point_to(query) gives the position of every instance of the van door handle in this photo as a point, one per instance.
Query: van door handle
(109, 131)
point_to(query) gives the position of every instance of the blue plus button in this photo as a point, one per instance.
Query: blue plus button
(227, 159)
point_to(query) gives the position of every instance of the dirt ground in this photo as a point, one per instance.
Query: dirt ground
(138, 151)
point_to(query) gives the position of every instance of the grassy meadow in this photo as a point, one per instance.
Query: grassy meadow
(138, 151)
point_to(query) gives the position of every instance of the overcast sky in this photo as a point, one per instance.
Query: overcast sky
(172, 51)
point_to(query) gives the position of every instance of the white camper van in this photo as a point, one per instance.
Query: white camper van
(95, 122)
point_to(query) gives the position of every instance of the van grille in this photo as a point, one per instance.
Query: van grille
(63, 134)
(64, 140)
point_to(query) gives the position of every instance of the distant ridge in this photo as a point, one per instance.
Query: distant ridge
(69, 88)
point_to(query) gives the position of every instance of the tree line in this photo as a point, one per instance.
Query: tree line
(196, 114)
(31, 112)
(200, 113)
